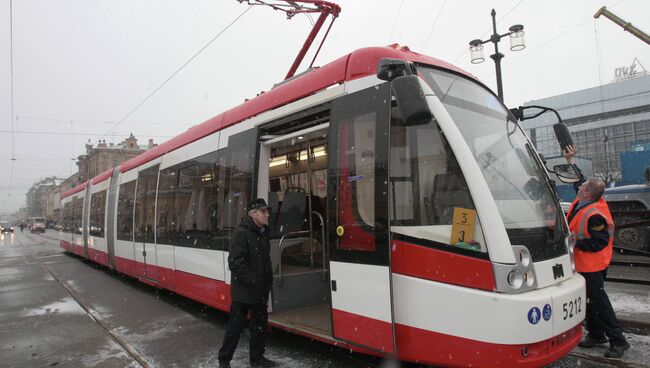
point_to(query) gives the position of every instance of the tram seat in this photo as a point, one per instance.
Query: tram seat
(291, 218)
(450, 191)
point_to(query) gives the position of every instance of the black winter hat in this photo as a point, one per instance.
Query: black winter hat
(256, 204)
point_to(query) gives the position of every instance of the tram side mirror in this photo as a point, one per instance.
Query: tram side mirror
(411, 100)
(563, 135)
(566, 173)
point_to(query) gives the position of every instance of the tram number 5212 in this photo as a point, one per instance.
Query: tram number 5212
(572, 308)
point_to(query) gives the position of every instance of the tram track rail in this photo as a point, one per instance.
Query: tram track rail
(88, 309)
(341, 354)
(605, 361)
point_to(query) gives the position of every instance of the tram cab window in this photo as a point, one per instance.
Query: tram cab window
(427, 186)
(515, 178)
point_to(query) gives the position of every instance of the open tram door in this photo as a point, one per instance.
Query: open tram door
(360, 272)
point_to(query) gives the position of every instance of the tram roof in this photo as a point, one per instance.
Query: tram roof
(103, 176)
(358, 64)
(75, 190)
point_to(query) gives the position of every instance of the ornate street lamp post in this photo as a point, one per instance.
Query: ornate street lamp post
(516, 43)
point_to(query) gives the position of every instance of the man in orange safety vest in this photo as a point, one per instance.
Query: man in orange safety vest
(591, 222)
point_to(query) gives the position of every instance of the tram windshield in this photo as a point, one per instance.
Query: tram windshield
(518, 185)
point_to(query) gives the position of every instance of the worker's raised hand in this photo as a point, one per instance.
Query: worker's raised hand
(569, 152)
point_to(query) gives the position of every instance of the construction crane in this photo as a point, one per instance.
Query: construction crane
(627, 26)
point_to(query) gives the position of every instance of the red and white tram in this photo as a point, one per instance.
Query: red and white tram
(411, 217)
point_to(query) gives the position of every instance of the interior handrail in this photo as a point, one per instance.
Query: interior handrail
(322, 226)
(302, 232)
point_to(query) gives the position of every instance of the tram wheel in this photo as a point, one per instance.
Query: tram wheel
(633, 237)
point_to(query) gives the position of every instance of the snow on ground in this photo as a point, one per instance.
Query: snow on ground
(65, 305)
(626, 302)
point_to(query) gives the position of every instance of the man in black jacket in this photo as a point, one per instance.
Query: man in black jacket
(250, 283)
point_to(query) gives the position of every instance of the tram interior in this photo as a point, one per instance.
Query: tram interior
(297, 198)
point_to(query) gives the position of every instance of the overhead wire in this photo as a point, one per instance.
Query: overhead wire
(75, 134)
(395, 23)
(71, 134)
(25, 117)
(559, 35)
(175, 73)
(11, 78)
(434, 24)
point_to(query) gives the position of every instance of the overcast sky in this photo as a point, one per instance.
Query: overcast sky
(80, 66)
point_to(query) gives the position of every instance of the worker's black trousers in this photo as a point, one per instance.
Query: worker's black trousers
(258, 329)
(601, 320)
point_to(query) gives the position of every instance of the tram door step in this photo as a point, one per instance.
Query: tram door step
(300, 290)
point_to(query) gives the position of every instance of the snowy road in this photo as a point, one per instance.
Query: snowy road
(56, 310)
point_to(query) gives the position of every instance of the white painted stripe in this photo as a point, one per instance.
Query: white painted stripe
(362, 83)
(202, 262)
(98, 243)
(100, 186)
(78, 240)
(226, 267)
(195, 149)
(127, 177)
(481, 315)
(151, 252)
(362, 289)
(124, 249)
(165, 255)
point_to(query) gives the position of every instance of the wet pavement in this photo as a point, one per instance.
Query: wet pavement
(56, 310)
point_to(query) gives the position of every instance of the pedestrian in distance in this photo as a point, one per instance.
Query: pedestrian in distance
(250, 284)
(591, 222)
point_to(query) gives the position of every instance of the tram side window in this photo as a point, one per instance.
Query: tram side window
(145, 201)
(238, 177)
(67, 217)
(196, 201)
(167, 224)
(125, 211)
(97, 213)
(363, 152)
(77, 211)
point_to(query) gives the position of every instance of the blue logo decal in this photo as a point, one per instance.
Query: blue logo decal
(534, 315)
(546, 312)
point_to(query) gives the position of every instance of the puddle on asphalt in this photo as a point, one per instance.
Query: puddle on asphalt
(65, 305)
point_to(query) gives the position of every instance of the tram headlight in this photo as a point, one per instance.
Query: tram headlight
(515, 279)
(529, 278)
(524, 257)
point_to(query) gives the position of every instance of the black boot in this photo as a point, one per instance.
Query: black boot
(590, 342)
(263, 362)
(617, 351)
